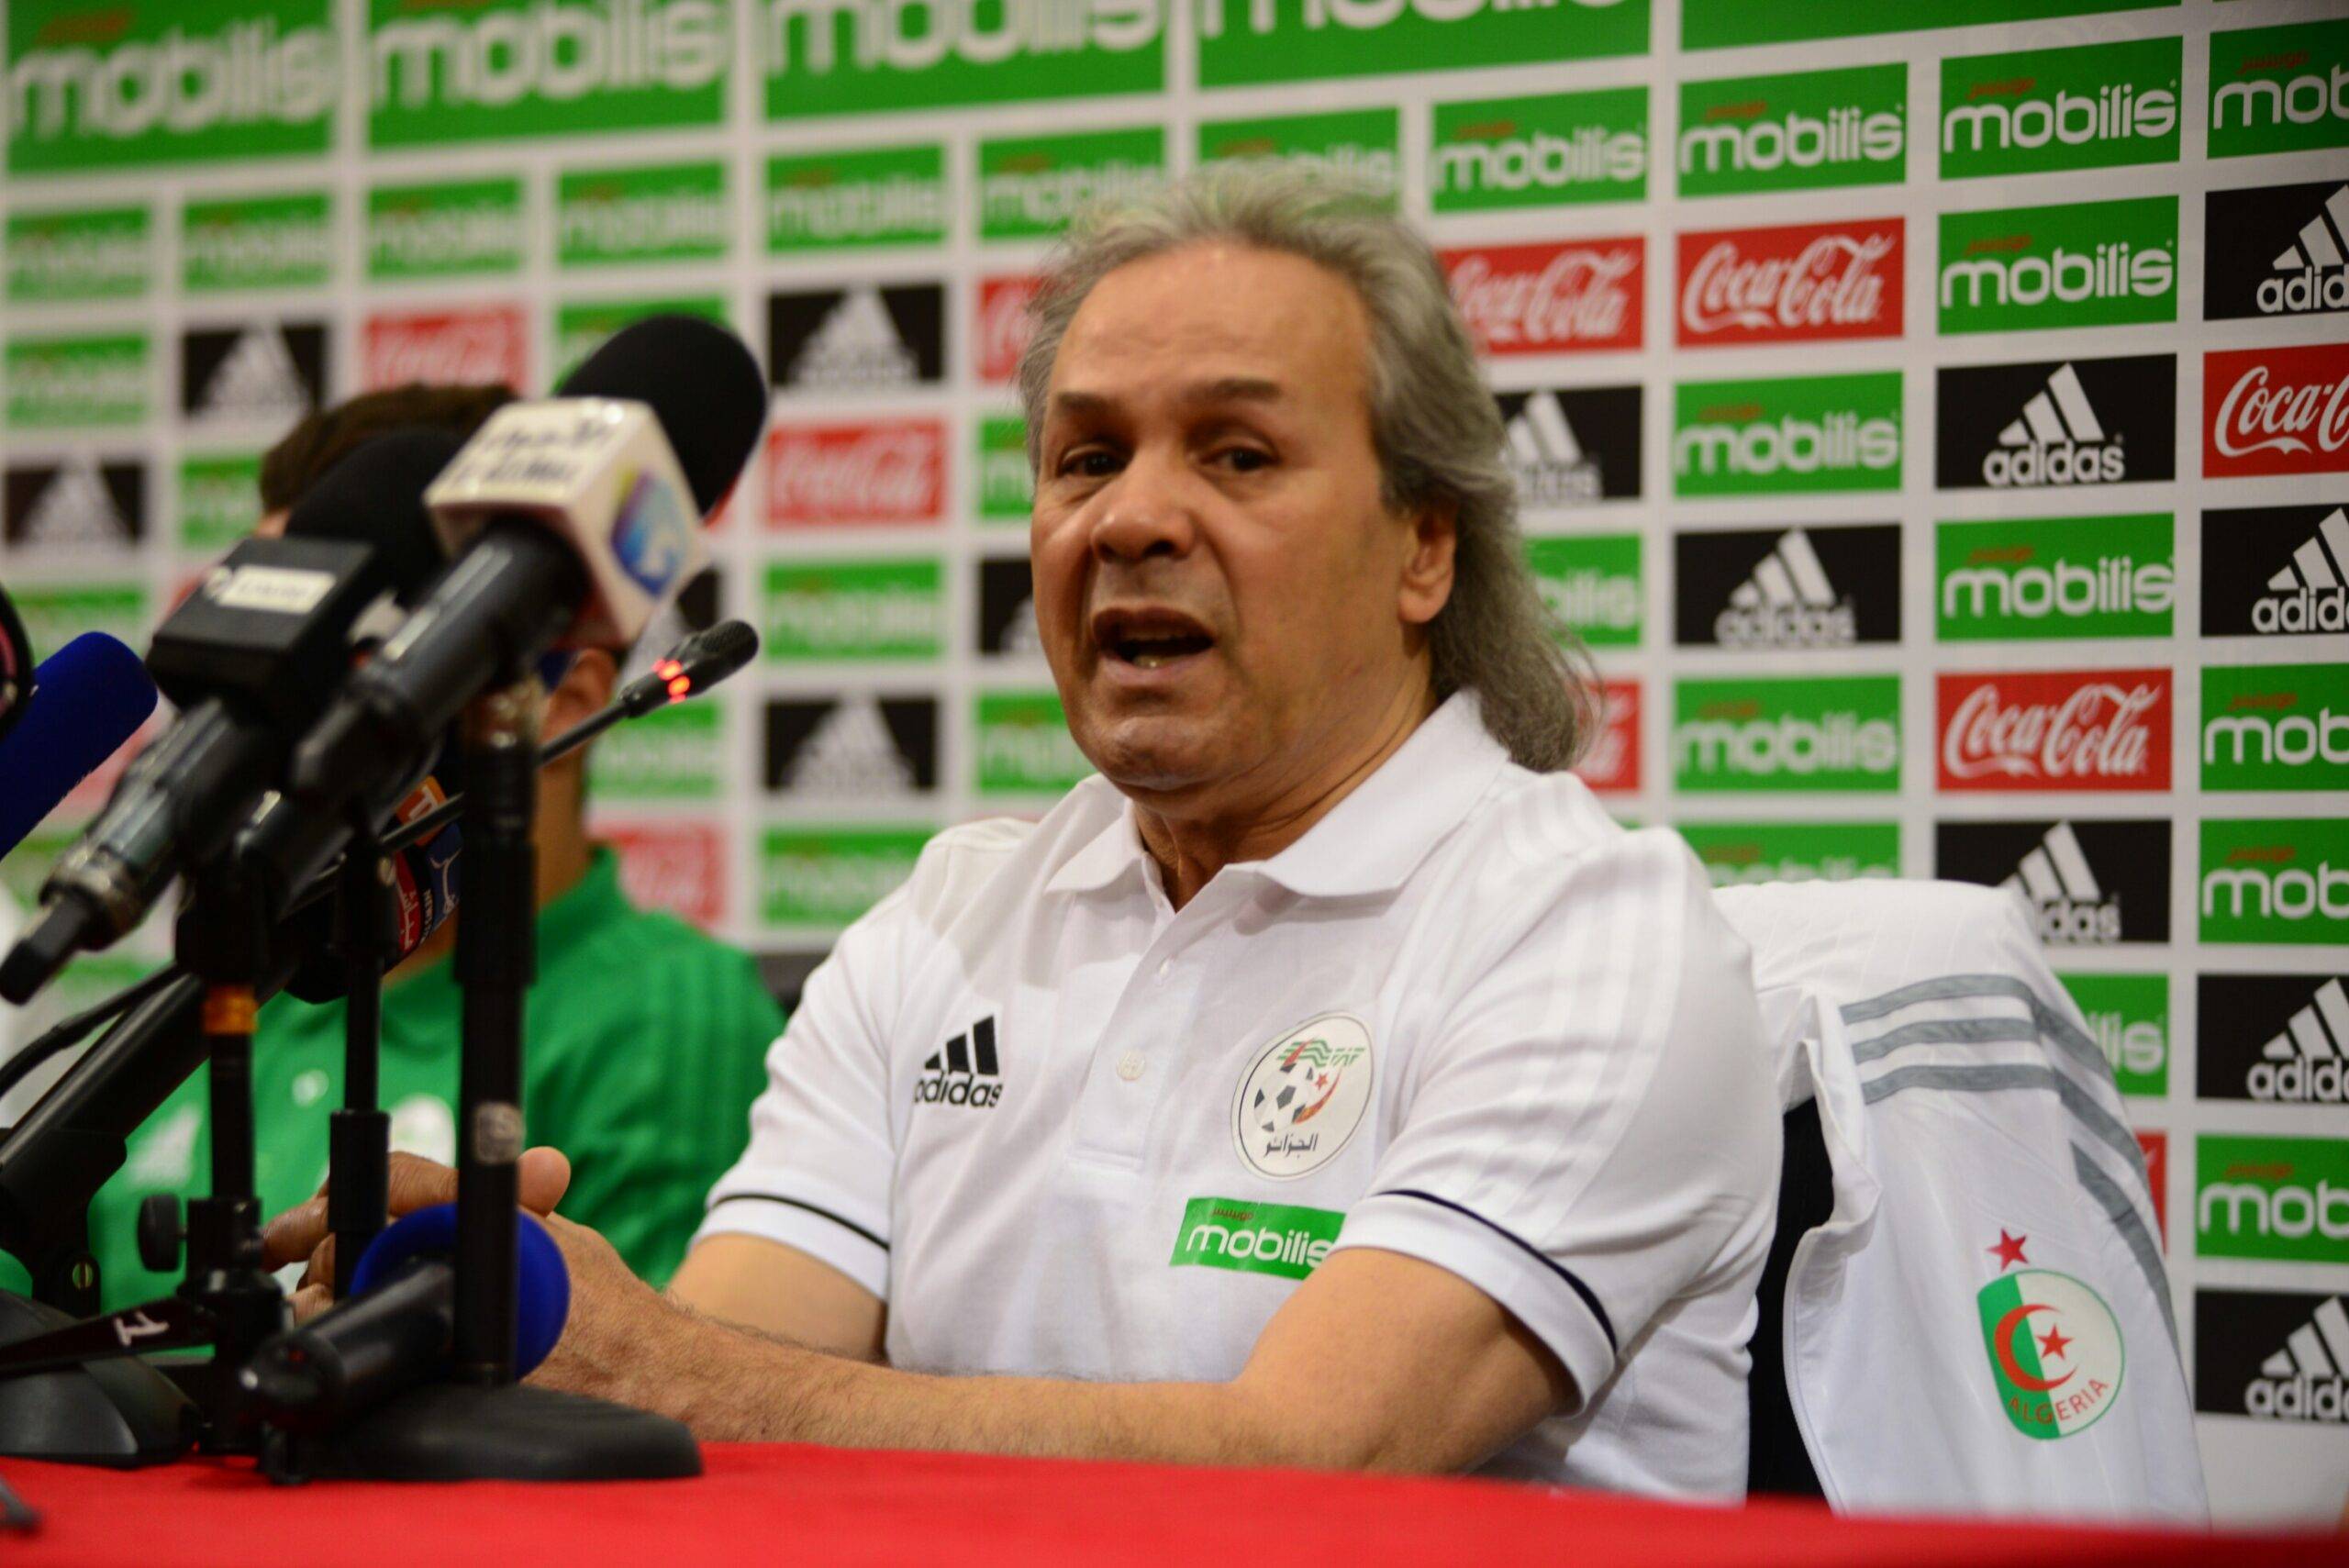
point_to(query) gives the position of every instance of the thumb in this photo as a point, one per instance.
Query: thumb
(544, 1174)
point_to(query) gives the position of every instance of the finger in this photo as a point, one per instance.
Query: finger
(320, 1271)
(311, 1300)
(544, 1176)
(295, 1234)
(416, 1183)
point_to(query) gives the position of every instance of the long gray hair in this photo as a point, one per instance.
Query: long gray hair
(1432, 419)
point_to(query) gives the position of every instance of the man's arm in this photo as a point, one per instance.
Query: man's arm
(780, 1291)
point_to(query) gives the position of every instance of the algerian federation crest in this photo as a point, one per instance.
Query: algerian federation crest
(1303, 1097)
(2055, 1351)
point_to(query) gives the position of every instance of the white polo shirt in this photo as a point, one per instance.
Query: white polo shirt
(1065, 1129)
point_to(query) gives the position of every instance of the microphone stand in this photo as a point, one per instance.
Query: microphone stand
(359, 1135)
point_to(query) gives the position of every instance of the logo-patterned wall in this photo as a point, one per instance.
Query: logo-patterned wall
(1935, 416)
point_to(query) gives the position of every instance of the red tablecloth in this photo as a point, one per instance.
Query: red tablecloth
(817, 1505)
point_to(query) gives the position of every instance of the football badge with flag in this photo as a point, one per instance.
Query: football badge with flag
(2054, 1348)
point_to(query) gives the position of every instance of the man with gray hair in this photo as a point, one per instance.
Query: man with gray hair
(1329, 1082)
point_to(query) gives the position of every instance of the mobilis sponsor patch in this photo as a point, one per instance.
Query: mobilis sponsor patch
(1806, 130)
(1739, 853)
(450, 229)
(1248, 1237)
(1546, 151)
(2055, 577)
(95, 253)
(2279, 89)
(2281, 1198)
(2041, 110)
(827, 876)
(2275, 726)
(1245, 41)
(2275, 880)
(2079, 264)
(892, 195)
(1030, 186)
(1765, 734)
(1797, 434)
(845, 57)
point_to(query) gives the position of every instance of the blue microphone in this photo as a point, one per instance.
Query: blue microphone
(88, 697)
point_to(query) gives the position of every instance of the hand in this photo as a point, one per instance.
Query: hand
(414, 1182)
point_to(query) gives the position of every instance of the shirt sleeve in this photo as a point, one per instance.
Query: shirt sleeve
(821, 1160)
(1593, 1133)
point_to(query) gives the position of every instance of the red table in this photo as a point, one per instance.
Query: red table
(789, 1504)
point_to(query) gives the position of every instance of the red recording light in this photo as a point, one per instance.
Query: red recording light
(678, 686)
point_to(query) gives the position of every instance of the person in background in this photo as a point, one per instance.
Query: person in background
(646, 1040)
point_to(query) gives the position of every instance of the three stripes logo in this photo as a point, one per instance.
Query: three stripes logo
(1788, 588)
(2057, 423)
(963, 1072)
(2278, 251)
(1568, 446)
(2058, 440)
(2274, 1038)
(2062, 887)
(2274, 571)
(2272, 1355)
(2312, 592)
(2087, 881)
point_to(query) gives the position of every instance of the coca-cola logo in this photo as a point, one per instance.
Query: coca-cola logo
(1550, 299)
(881, 471)
(1612, 763)
(1809, 280)
(2283, 410)
(462, 348)
(680, 867)
(1004, 325)
(2104, 729)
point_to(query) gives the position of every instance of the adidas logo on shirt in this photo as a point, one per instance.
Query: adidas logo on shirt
(2311, 593)
(963, 1072)
(2307, 1380)
(2313, 272)
(2305, 1063)
(1551, 466)
(1787, 603)
(2062, 889)
(2058, 440)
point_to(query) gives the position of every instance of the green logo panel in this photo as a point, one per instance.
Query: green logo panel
(1549, 150)
(2275, 726)
(1779, 734)
(881, 195)
(828, 876)
(1024, 746)
(1801, 434)
(457, 228)
(676, 753)
(56, 383)
(1726, 24)
(491, 70)
(219, 499)
(2078, 265)
(1007, 487)
(1800, 131)
(124, 86)
(1243, 42)
(1029, 186)
(1254, 1238)
(2041, 110)
(89, 254)
(1735, 853)
(2279, 89)
(2027, 579)
(56, 613)
(840, 57)
(2276, 880)
(581, 327)
(819, 610)
(2281, 1198)
(1590, 585)
(674, 212)
(259, 242)
(2128, 1016)
(1361, 147)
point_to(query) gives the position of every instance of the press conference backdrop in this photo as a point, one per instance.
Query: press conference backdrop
(1933, 413)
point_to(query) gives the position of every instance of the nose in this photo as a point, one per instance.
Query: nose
(1144, 513)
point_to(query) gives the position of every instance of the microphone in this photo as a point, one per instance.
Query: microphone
(15, 665)
(700, 662)
(577, 513)
(85, 700)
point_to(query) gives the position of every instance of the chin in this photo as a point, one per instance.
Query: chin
(1156, 753)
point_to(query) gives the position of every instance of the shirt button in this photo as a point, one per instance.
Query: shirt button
(1165, 967)
(1131, 1064)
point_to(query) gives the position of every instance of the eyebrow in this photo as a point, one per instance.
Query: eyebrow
(1225, 389)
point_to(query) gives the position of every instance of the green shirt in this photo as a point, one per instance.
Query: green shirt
(645, 1043)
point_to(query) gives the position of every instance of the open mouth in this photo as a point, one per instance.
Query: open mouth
(1149, 639)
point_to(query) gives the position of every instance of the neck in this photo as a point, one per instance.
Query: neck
(1190, 850)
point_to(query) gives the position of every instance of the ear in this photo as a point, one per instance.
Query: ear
(1427, 567)
(585, 691)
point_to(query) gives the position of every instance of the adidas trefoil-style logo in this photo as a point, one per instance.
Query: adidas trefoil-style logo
(857, 345)
(2312, 273)
(76, 509)
(2309, 1063)
(2307, 1380)
(963, 1072)
(1787, 603)
(850, 752)
(2064, 891)
(257, 379)
(2058, 440)
(1552, 468)
(2311, 593)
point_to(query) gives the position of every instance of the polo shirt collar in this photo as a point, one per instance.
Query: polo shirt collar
(1369, 843)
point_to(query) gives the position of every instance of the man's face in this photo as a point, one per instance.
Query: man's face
(1223, 598)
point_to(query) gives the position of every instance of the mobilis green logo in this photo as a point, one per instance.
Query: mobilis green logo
(2279, 89)
(1254, 1238)
(888, 196)
(1723, 24)
(1024, 746)
(2274, 880)
(1029, 186)
(1590, 585)
(2079, 264)
(2283, 1198)
(829, 877)
(580, 329)
(2275, 726)
(853, 609)
(508, 68)
(57, 381)
(1360, 147)
(261, 243)
(1007, 486)
(2128, 1017)
(1803, 433)
(676, 753)
(1540, 151)
(845, 57)
(56, 613)
(219, 498)
(2047, 109)
(98, 253)
(1243, 42)
(1761, 733)
(1736, 853)
(1798, 132)
(99, 84)
(452, 229)
(2028, 578)
(673, 212)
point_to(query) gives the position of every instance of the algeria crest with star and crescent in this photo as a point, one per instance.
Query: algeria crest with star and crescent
(2055, 1351)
